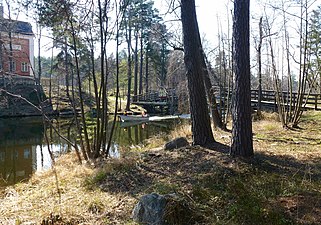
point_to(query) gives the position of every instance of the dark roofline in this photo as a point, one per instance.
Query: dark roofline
(15, 26)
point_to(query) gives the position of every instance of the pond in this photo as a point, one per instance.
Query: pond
(23, 149)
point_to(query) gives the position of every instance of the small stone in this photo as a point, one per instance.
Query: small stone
(176, 143)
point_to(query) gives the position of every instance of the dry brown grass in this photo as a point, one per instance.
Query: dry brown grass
(159, 140)
(303, 143)
(74, 203)
(282, 182)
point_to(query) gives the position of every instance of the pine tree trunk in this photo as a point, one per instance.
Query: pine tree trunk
(201, 126)
(242, 142)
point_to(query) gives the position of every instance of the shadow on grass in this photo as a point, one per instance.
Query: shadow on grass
(266, 189)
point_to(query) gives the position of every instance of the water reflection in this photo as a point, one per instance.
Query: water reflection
(18, 154)
(23, 149)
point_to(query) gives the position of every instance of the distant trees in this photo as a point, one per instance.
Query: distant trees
(176, 79)
(314, 45)
(146, 48)
(242, 141)
(83, 31)
(285, 41)
(72, 32)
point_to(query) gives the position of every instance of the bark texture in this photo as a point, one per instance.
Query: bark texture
(242, 140)
(201, 126)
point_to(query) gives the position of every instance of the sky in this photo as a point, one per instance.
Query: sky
(212, 17)
(207, 11)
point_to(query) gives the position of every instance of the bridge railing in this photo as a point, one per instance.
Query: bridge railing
(155, 96)
(268, 98)
(311, 101)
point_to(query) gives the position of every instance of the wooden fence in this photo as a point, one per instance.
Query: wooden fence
(310, 101)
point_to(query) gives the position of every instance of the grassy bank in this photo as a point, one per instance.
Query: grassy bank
(61, 102)
(280, 185)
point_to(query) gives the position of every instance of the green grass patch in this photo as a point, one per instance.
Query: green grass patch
(164, 187)
(92, 181)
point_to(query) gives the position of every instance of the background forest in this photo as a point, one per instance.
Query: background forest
(115, 51)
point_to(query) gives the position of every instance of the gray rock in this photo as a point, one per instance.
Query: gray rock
(150, 209)
(176, 143)
(155, 209)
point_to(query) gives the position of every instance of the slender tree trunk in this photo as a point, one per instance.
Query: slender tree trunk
(39, 56)
(97, 134)
(1, 53)
(163, 65)
(303, 63)
(117, 86)
(147, 73)
(50, 76)
(216, 116)
(136, 67)
(259, 60)
(242, 137)
(129, 66)
(230, 74)
(201, 126)
(289, 99)
(86, 136)
(103, 22)
(66, 68)
(140, 91)
(82, 145)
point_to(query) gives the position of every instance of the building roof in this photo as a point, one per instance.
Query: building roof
(15, 26)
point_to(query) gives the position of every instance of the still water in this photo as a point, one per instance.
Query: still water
(23, 149)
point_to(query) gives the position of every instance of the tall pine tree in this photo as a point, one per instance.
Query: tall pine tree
(242, 137)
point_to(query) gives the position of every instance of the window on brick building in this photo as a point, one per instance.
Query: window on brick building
(12, 66)
(24, 67)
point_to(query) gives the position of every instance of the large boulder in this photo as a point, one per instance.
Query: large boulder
(176, 143)
(155, 209)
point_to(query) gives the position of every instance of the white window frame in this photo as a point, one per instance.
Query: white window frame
(24, 67)
(14, 47)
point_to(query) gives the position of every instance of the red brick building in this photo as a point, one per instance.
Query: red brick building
(16, 47)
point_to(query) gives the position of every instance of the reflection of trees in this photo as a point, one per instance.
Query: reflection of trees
(66, 127)
(129, 135)
(19, 138)
(134, 134)
(20, 130)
